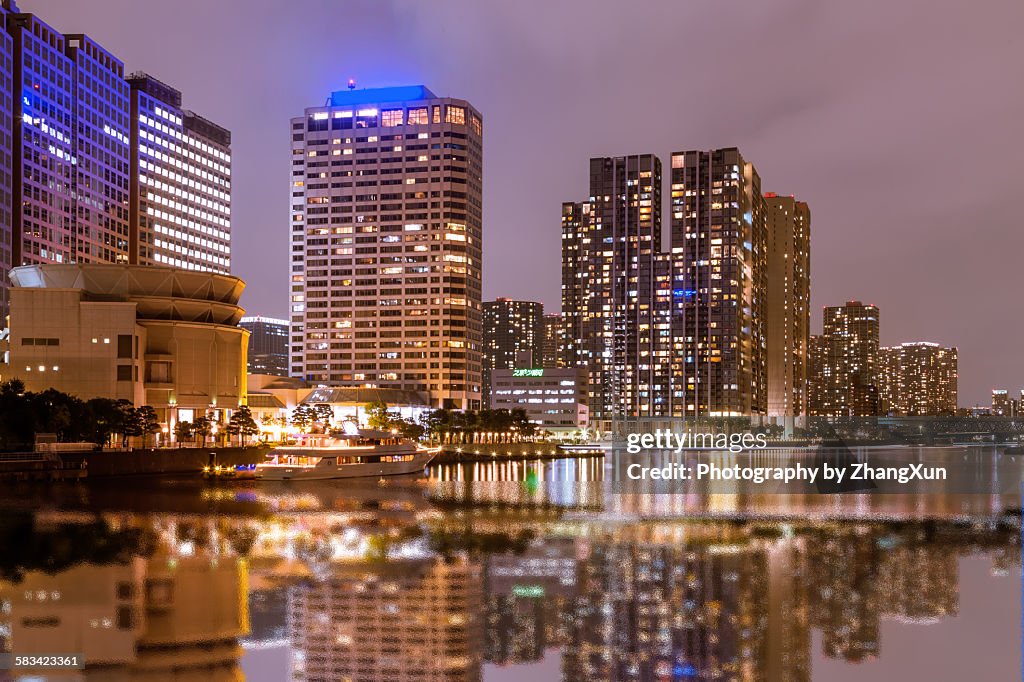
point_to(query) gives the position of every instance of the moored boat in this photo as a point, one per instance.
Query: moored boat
(359, 454)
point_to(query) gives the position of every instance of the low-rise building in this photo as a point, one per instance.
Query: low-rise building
(151, 335)
(554, 398)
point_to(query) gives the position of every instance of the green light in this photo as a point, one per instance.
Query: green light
(528, 372)
(532, 591)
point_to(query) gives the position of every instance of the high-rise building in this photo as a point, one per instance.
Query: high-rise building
(616, 288)
(386, 196)
(88, 162)
(513, 338)
(788, 303)
(180, 182)
(575, 222)
(7, 232)
(844, 362)
(917, 379)
(268, 345)
(70, 144)
(1002, 404)
(553, 346)
(718, 242)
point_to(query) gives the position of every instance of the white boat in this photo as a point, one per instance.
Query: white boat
(352, 455)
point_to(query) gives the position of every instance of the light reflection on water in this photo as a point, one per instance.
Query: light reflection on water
(488, 570)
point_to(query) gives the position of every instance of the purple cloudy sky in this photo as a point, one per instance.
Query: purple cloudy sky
(899, 122)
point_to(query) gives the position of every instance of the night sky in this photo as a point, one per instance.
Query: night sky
(898, 122)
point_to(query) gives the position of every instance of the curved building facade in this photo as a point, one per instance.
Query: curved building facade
(153, 335)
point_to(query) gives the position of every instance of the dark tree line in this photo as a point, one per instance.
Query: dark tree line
(98, 420)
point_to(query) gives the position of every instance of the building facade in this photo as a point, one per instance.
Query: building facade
(7, 231)
(575, 245)
(154, 336)
(616, 288)
(70, 147)
(1002, 404)
(268, 345)
(385, 243)
(917, 379)
(787, 303)
(718, 238)
(553, 397)
(553, 346)
(513, 337)
(94, 169)
(844, 365)
(180, 182)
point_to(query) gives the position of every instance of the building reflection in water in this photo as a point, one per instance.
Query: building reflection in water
(394, 584)
(136, 606)
(402, 620)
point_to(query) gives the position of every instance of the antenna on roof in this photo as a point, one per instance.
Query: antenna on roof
(351, 83)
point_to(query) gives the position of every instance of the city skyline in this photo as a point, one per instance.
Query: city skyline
(851, 130)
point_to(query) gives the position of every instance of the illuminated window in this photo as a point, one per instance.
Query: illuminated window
(418, 116)
(391, 118)
(455, 115)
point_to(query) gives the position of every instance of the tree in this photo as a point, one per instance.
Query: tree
(377, 416)
(131, 422)
(521, 423)
(302, 417)
(184, 431)
(242, 423)
(408, 428)
(148, 422)
(201, 426)
(437, 423)
(107, 418)
(323, 414)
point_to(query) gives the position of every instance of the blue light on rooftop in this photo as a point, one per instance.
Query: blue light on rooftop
(402, 93)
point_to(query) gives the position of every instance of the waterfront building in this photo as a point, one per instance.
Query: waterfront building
(554, 398)
(616, 288)
(152, 335)
(272, 400)
(677, 332)
(917, 379)
(553, 346)
(844, 362)
(268, 345)
(180, 182)
(513, 333)
(788, 303)
(718, 238)
(385, 243)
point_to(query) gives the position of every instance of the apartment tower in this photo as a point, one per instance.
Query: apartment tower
(719, 247)
(917, 379)
(788, 303)
(616, 276)
(844, 380)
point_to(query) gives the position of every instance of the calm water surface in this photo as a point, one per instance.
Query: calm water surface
(519, 570)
